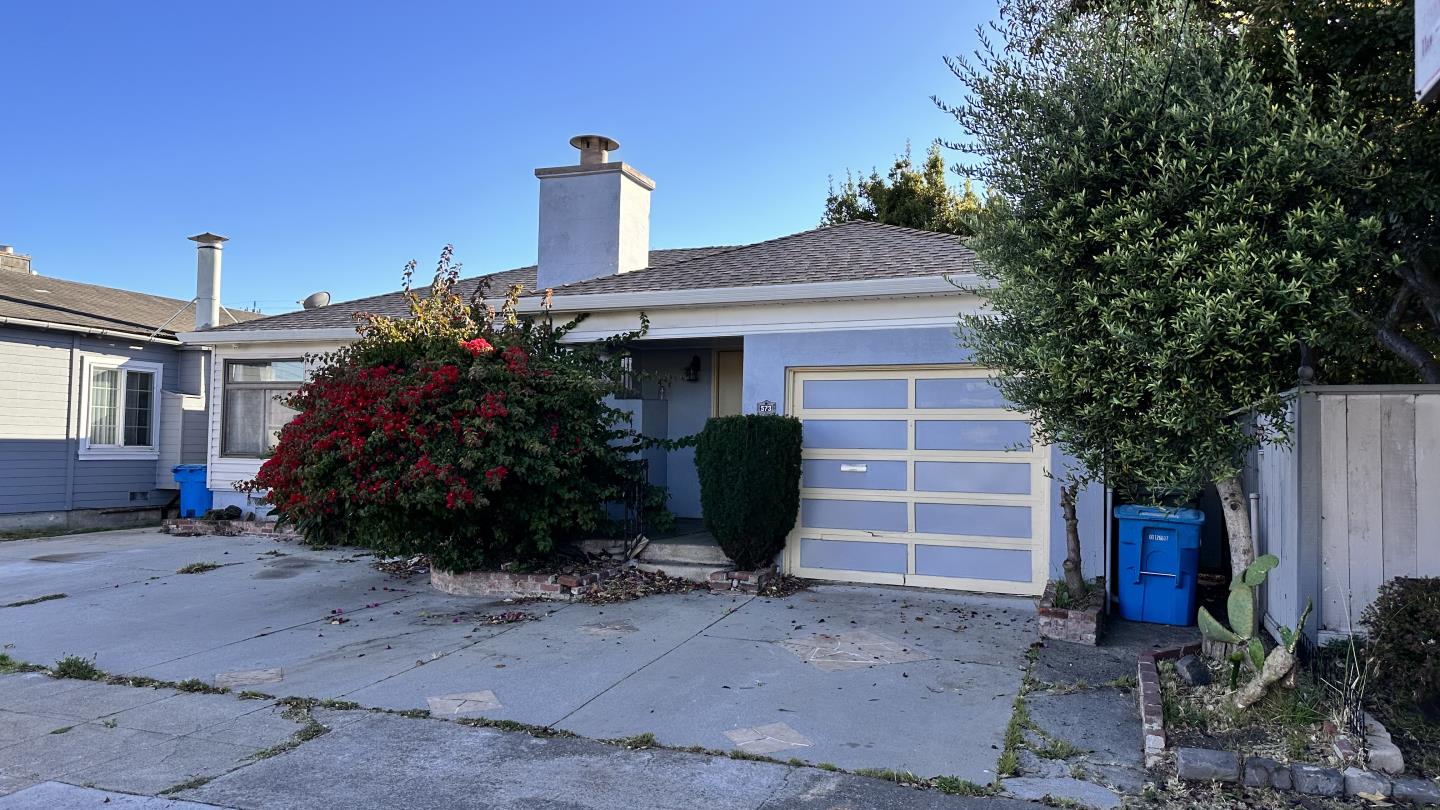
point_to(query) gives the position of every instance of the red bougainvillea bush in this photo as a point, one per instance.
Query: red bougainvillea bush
(471, 435)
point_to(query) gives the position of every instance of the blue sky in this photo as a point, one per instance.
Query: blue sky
(334, 141)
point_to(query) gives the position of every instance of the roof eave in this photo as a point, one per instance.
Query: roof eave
(758, 294)
(213, 337)
(94, 331)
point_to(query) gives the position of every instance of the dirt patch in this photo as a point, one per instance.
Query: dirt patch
(74, 556)
(1287, 725)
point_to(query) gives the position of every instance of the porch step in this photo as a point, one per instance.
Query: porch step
(692, 556)
(695, 572)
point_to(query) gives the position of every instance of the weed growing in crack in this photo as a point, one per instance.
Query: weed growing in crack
(77, 668)
(197, 568)
(37, 600)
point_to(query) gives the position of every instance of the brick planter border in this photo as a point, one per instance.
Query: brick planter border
(743, 581)
(559, 587)
(1081, 626)
(1214, 765)
(195, 527)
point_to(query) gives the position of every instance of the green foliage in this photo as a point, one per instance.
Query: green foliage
(909, 197)
(73, 666)
(1170, 230)
(1404, 638)
(749, 470)
(1359, 55)
(475, 436)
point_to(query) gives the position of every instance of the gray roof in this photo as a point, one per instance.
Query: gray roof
(853, 251)
(72, 303)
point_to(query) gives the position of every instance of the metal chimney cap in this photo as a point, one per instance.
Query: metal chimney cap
(594, 149)
(583, 142)
(208, 238)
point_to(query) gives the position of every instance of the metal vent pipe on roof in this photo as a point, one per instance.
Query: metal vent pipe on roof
(207, 279)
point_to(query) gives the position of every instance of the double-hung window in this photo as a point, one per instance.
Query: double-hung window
(120, 408)
(252, 413)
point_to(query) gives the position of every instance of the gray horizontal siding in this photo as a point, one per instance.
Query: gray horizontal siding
(39, 418)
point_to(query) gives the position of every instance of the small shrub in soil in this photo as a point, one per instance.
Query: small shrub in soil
(749, 484)
(1404, 650)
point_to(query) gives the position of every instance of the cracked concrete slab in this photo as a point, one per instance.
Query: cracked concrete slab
(856, 649)
(767, 739)
(400, 767)
(249, 677)
(50, 795)
(464, 704)
(685, 667)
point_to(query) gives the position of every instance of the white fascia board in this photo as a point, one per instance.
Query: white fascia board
(759, 294)
(210, 338)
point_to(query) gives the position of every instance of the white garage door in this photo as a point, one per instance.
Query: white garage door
(917, 476)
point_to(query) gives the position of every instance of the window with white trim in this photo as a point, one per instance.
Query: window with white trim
(251, 415)
(120, 409)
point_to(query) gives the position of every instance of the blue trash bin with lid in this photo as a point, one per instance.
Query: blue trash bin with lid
(1159, 559)
(195, 497)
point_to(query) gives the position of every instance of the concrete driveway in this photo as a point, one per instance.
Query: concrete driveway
(859, 677)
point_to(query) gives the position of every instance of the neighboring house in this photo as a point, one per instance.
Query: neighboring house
(915, 472)
(98, 399)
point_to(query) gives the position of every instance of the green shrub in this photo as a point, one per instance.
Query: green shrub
(749, 484)
(475, 436)
(1404, 627)
(81, 669)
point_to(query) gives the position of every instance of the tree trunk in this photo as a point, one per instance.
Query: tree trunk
(1074, 576)
(1237, 525)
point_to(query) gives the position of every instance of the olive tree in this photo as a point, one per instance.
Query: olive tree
(1170, 234)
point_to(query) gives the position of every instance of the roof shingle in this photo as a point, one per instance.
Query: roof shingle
(853, 251)
(72, 303)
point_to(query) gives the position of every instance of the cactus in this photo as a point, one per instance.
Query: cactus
(1243, 635)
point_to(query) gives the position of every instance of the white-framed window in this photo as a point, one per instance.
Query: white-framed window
(251, 413)
(119, 408)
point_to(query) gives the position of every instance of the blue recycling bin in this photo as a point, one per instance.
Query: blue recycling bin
(1159, 559)
(195, 497)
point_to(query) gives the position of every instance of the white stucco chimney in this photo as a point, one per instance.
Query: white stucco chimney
(207, 279)
(594, 216)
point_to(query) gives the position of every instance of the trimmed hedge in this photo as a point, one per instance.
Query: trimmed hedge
(750, 484)
(1404, 638)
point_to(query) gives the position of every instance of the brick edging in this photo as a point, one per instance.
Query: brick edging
(1152, 710)
(744, 581)
(1209, 764)
(195, 527)
(562, 587)
(1081, 626)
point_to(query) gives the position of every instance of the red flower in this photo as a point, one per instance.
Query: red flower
(478, 346)
(496, 474)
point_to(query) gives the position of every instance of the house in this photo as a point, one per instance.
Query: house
(915, 472)
(98, 398)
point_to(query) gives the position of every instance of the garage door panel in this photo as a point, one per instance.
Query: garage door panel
(856, 434)
(853, 555)
(918, 475)
(958, 392)
(972, 434)
(1005, 564)
(871, 516)
(972, 519)
(987, 477)
(852, 394)
(854, 474)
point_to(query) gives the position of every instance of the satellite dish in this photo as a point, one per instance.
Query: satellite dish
(314, 300)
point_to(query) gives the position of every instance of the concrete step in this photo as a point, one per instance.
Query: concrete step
(695, 572)
(698, 548)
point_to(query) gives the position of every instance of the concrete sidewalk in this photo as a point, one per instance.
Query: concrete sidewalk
(861, 677)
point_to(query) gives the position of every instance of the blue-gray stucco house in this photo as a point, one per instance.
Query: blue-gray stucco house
(98, 400)
(916, 471)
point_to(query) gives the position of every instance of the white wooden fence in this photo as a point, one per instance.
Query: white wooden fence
(1352, 502)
